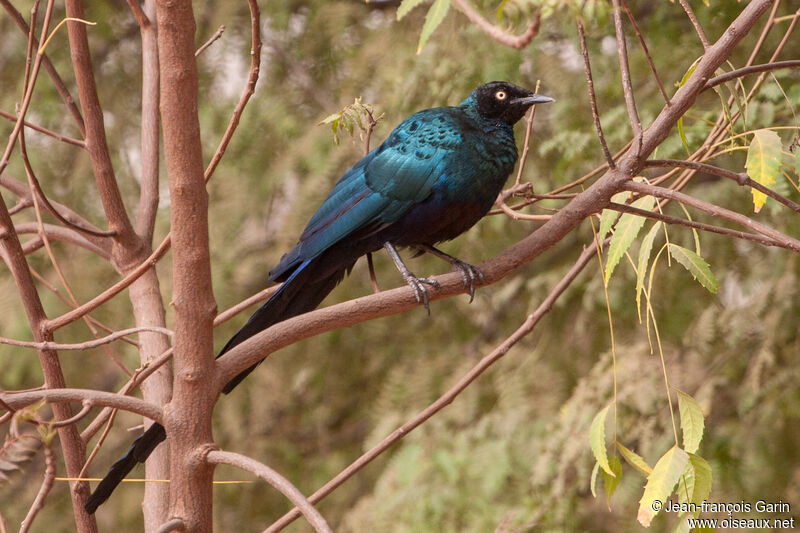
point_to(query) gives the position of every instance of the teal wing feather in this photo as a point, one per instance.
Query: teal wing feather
(383, 186)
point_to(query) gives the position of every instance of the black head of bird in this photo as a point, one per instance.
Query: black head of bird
(506, 101)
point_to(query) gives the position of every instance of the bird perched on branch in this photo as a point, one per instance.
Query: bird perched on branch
(432, 179)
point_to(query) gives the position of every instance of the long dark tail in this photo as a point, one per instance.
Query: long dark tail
(303, 291)
(140, 450)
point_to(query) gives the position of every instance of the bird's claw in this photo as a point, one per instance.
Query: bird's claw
(420, 292)
(469, 274)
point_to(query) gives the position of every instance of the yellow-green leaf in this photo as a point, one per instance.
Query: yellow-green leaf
(660, 483)
(763, 162)
(692, 422)
(685, 77)
(644, 259)
(608, 216)
(634, 459)
(627, 229)
(797, 160)
(610, 483)
(597, 440)
(593, 479)
(434, 17)
(696, 265)
(702, 478)
(406, 6)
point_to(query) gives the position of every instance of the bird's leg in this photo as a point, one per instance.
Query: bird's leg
(418, 284)
(469, 273)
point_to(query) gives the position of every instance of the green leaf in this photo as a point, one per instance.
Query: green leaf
(660, 483)
(681, 131)
(608, 216)
(627, 229)
(692, 422)
(797, 161)
(696, 265)
(702, 478)
(645, 250)
(597, 440)
(434, 17)
(610, 483)
(406, 6)
(593, 479)
(330, 118)
(634, 459)
(763, 162)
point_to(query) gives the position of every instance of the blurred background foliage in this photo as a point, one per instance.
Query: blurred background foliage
(512, 451)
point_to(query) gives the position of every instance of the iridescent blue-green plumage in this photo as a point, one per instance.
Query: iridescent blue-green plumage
(432, 179)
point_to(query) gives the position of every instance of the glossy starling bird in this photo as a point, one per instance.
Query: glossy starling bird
(432, 179)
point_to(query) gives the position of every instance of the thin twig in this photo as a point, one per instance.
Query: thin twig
(592, 98)
(283, 485)
(627, 85)
(210, 41)
(139, 13)
(64, 138)
(739, 177)
(669, 219)
(497, 33)
(87, 406)
(106, 295)
(19, 400)
(752, 69)
(697, 27)
(249, 89)
(48, 345)
(646, 51)
(526, 143)
(373, 279)
(48, 66)
(781, 239)
(44, 489)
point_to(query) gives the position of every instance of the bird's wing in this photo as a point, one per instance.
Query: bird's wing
(383, 186)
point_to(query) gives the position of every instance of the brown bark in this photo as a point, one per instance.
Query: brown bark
(188, 415)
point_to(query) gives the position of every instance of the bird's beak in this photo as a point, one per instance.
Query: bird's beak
(532, 99)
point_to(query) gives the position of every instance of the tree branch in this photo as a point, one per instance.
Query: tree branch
(739, 177)
(592, 98)
(780, 239)
(625, 72)
(752, 69)
(654, 215)
(499, 34)
(95, 129)
(19, 400)
(49, 345)
(283, 485)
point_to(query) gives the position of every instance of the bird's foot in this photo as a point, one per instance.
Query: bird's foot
(469, 274)
(420, 292)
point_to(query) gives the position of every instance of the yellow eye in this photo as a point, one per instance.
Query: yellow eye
(500, 95)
